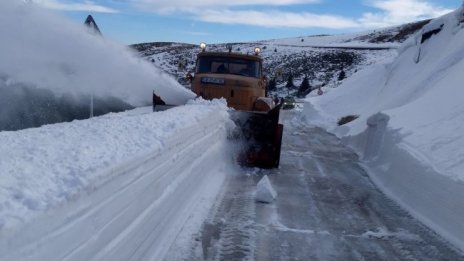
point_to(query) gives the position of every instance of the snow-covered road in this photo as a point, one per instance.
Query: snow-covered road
(140, 186)
(327, 208)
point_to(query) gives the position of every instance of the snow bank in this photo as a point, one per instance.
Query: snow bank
(113, 187)
(42, 49)
(414, 147)
(405, 174)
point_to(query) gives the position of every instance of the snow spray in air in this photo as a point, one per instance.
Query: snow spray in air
(53, 61)
(44, 49)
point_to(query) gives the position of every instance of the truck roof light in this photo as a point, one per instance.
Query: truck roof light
(203, 47)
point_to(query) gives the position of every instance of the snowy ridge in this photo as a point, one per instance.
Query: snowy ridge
(318, 57)
(413, 147)
(128, 203)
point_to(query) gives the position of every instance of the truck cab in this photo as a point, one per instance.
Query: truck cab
(239, 79)
(236, 77)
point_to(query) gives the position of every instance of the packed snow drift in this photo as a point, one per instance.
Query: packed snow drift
(127, 181)
(410, 123)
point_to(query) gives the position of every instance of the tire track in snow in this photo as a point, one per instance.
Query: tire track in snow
(233, 223)
(327, 209)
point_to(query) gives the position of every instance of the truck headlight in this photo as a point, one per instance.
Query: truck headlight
(203, 47)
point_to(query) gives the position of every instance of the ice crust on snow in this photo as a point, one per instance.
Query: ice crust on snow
(413, 147)
(264, 191)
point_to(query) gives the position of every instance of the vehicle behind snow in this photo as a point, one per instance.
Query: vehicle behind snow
(239, 79)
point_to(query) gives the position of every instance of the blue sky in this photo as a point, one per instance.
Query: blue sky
(194, 21)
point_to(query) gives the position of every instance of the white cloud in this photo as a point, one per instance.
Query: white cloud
(223, 12)
(82, 6)
(390, 12)
(394, 12)
(170, 6)
(276, 19)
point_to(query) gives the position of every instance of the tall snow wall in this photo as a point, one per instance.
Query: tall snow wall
(116, 187)
(410, 125)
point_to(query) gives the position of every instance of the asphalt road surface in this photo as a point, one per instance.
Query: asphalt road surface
(327, 208)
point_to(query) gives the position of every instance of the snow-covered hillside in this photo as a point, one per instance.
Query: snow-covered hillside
(321, 58)
(410, 126)
(55, 77)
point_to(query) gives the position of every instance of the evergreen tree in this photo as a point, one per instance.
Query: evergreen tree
(290, 84)
(305, 87)
(342, 75)
(272, 85)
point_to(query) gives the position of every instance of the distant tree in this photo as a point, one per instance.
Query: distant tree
(272, 85)
(290, 84)
(278, 76)
(264, 47)
(275, 50)
(181, 65)
(304, 88)
(341, 75)
(302, 40)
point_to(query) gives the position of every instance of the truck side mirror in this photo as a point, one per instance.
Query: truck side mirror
(264, 80)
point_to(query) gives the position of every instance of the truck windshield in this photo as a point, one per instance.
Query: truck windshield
(228, 65)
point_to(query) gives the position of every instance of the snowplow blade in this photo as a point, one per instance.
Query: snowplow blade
(262, 136)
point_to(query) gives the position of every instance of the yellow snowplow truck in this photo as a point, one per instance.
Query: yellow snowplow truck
(239, 79)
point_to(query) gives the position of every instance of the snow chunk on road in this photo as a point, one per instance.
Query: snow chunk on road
(264, 191)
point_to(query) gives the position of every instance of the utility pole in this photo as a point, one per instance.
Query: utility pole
(91, 105)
